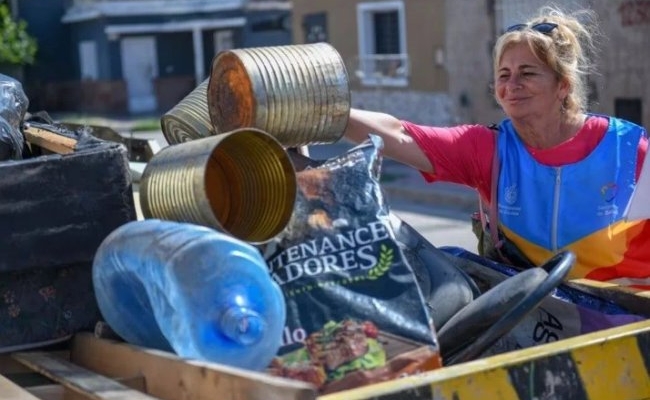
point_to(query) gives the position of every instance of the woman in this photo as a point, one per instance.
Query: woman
(564, 176)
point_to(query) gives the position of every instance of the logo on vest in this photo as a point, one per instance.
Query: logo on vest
(510, 195)
(609, 191)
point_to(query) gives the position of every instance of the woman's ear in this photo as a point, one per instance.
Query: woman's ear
(564, 88)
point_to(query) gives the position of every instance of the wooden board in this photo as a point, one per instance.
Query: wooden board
(78, 379)
(635, 300)
(49, 140)
(170, 377)
(11, 391)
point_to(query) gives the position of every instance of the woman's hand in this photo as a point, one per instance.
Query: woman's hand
(398, 145)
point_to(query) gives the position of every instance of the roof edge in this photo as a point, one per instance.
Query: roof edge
(125, 8)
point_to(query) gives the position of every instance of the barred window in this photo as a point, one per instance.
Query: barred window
(382, 58)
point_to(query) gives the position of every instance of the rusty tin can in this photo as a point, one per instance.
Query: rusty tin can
(241, 182)
(189, 119)
(297, 93)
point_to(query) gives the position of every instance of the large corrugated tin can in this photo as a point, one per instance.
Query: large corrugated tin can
(297, 93)
(241, 182)
(189, 119)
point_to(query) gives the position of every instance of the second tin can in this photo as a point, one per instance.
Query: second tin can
(297, 93)
(189, 119)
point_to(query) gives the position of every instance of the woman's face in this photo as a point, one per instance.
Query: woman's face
(525, 87)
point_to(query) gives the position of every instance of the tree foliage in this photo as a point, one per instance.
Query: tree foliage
(16, 45)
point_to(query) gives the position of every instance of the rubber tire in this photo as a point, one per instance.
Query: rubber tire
(487, 309)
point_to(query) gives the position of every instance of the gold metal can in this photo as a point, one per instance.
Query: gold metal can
(241, 182)
(297, 93)
(189, 119)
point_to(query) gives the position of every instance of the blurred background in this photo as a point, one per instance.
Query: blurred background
(428, 61)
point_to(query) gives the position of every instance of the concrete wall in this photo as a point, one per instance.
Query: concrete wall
(470, 36)
(623, 66)
(427, 108)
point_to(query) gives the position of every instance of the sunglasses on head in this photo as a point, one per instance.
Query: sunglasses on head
(542, 27)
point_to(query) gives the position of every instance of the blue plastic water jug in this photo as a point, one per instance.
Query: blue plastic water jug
(189, 289)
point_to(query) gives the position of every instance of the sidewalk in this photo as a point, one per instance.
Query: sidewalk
(409, 184)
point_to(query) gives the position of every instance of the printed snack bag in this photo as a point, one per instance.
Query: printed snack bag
(355, 313)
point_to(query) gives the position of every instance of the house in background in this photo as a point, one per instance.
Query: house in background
(424, 60)
(394, 52)
(430, 61)
(137, 56)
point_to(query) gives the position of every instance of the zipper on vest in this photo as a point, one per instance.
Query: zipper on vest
(556, 208)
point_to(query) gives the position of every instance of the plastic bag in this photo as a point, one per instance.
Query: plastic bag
(13, 106)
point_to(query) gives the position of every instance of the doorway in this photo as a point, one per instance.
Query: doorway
(139, 69)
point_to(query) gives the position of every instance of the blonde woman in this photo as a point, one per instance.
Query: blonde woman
(557, 177)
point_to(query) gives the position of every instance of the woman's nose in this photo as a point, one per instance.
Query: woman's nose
(514, 82)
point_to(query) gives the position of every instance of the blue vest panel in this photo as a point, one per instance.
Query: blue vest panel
(553, 207)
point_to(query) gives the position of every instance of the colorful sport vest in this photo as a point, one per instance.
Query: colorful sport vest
(577, 207)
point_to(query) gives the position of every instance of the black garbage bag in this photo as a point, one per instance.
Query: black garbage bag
(13, 106)
(55, 210)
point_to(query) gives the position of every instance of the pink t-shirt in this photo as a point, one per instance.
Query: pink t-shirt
(463, 154)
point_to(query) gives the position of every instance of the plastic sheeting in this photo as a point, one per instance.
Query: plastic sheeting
(13, 106)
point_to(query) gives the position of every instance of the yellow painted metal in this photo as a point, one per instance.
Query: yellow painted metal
(490, 384)
(613, 370)
(609, 363)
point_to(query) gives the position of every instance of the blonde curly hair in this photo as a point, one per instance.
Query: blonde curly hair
(567, 49)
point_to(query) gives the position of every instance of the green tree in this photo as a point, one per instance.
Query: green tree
(17, 47)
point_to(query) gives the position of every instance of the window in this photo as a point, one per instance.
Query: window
(382, 44)
(315, 27)
(88, 60)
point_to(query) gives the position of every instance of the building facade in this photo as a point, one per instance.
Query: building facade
(138, 56)
(394, 52)
(430, 61)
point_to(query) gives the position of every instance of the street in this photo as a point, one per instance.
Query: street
(440, 226)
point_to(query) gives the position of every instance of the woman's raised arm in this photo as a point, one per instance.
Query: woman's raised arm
(398, 144)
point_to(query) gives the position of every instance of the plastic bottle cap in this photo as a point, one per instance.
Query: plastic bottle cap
(243, 325)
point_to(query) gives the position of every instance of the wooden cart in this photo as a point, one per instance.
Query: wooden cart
(610, 364)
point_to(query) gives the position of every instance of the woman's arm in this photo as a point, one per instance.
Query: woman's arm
(398, 145)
